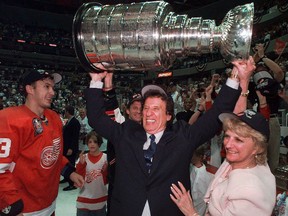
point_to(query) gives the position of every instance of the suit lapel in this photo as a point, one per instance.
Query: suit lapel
(167, 137)
(139, 135)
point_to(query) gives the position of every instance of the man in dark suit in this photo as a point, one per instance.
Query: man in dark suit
(134, 112)
(71, 131)
(142, 186)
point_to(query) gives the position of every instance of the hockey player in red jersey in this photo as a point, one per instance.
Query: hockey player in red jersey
(31, 148)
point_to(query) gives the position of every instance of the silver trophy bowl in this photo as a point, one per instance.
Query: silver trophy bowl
(149, 36)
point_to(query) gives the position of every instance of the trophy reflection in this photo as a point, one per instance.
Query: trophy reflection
(149, 36)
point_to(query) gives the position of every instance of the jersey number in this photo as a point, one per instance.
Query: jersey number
(5, 146)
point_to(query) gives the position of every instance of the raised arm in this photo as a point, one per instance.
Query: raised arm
(110, 100)
(244, 70)
(278, 73)
(205, 104)
(96, 110)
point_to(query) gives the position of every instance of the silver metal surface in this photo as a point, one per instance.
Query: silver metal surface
(150, 36)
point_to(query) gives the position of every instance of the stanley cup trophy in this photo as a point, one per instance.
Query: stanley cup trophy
(149, 36)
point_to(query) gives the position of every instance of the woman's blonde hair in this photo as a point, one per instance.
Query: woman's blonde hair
(244, 130)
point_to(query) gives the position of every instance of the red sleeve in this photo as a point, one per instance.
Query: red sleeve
(265, 111)
(208, 105)
(81, 169)
(211, 169)
(111, 114)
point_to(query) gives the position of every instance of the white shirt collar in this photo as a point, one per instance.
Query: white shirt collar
(157, 136)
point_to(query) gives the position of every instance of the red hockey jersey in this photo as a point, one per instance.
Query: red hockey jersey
(30, 157)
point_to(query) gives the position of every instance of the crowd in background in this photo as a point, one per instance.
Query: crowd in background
(71, 88)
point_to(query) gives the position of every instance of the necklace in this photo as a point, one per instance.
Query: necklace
(250, 167)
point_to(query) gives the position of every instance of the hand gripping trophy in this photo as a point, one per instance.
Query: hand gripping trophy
(149, 36)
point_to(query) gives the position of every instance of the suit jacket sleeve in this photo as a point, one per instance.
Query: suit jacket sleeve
(208, 125)
(97, 118)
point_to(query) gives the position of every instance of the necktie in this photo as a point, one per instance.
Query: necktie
(148, 154)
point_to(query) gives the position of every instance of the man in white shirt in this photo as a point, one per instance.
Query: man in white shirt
(84, 130)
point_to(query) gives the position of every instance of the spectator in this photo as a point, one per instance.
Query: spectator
(71, 132)
(133, 112)
(267, 78)
(93, 167)
(177, 98)
(200, 179)
(189, 107)
(84, 130)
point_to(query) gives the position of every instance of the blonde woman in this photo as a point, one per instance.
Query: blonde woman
(244, 184)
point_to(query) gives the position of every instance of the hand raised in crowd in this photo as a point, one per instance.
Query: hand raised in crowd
(182, 198)
(193, 94)
(259, 52)
(208, 92)
(202, 104)
(215, 79)
(282, 93)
